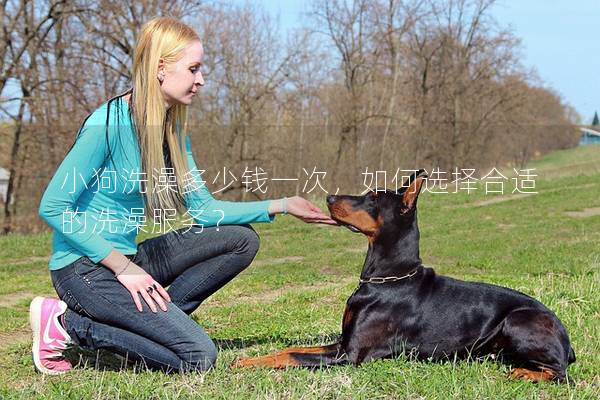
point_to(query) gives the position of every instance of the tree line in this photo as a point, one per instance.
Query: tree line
(376, 85)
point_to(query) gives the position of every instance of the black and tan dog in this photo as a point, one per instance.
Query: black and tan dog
(400, 306)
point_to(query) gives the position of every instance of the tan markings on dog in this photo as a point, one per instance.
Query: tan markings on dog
(340, 209)
(347, 319)
(412, 192)
(371, 238)
(282, 359)
(363, 221)
(536, 376)
(343, 211)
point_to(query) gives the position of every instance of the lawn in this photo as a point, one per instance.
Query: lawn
(545, 245)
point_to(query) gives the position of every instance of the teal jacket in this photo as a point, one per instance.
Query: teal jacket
(94, 204)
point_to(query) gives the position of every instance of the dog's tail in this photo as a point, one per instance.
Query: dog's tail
(312, 357)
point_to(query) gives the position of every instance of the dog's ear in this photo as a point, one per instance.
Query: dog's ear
(413, 188)
(413, 177)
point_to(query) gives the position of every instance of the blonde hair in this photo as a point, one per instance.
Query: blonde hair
(164, 38)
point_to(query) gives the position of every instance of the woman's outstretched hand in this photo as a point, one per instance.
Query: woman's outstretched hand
(307, 211)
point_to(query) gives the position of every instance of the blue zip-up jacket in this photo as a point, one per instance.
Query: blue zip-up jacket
(94, 204)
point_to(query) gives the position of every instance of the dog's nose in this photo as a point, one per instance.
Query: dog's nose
(330, 199)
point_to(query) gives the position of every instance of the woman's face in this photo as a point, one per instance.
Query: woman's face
(183, 78)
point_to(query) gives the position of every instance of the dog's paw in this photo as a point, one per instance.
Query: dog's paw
(535, 376)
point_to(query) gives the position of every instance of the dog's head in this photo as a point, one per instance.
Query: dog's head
(380, 209)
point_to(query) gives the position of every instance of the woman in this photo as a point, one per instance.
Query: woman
(113, 293)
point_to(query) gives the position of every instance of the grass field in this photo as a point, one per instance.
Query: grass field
(545, 245)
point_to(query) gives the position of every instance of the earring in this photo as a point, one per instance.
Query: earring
(161, 77)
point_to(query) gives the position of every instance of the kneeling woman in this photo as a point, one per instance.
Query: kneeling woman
(112, 291)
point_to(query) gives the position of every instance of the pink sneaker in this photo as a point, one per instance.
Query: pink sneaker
(49, 337)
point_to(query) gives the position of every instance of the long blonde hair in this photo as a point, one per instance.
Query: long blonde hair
(164, 38)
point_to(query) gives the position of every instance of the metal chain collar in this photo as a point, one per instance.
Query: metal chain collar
(384, 279)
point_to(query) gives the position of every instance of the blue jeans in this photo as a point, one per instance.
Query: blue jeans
(194, 265)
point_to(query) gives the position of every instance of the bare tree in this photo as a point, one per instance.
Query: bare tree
(25, 28)
(246, 65)
(393, 21)
(345, 24)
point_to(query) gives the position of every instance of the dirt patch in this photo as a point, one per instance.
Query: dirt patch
(506, 227)
(518, 196)
(356, 250)
(331, 271)
(20, 336)
(281, 260)
(500, 199)
(587, 212)
(495, 200)
(28, 260)
(271, 295)
(10, 300)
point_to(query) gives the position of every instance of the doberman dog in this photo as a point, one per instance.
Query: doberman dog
(400, 306)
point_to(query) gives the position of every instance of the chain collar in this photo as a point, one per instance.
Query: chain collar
(385, 279)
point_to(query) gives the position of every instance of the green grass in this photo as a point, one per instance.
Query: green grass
(295, 293)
